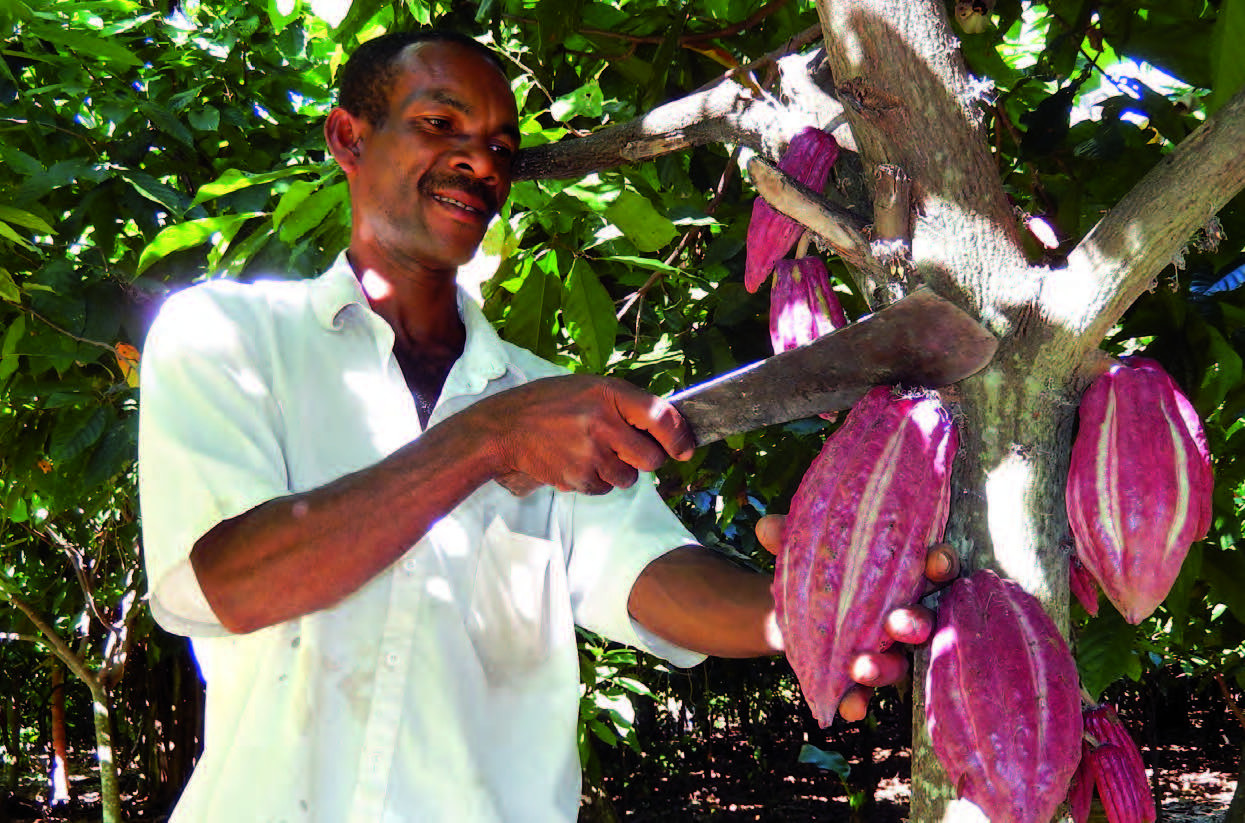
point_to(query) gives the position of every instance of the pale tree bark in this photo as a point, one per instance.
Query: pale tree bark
(899, 94)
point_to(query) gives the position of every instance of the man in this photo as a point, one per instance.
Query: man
(380, 523)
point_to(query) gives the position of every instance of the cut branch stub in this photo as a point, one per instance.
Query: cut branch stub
(842, 230)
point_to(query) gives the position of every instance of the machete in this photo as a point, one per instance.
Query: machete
(921, 340)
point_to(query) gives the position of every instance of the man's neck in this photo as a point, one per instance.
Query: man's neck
(419, 303)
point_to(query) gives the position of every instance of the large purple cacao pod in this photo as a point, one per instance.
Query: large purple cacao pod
(1139, 484)
(802, 304)
(771, 234)
(866, 511)
(1118, 771)
(1003, 705)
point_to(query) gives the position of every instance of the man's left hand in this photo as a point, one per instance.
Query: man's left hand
(908, 625)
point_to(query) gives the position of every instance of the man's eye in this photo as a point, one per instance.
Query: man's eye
(503, 150)
(437, 123)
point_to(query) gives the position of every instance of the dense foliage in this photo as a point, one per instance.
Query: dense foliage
(145, 147)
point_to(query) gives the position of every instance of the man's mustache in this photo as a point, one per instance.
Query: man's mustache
(430, 185)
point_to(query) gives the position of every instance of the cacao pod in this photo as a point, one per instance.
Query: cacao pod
(1118, 772)
(802, 305)
(771, 234)
(1084, 586)
(1003, 705)
(1081, 789)
(866, 511)
(1139, 484)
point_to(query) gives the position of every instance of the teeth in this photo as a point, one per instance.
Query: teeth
(457, 203)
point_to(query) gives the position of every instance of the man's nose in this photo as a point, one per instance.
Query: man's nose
(477, 158)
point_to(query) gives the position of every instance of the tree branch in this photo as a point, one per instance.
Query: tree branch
(1120, 257)
(841, 229)
(725, 113)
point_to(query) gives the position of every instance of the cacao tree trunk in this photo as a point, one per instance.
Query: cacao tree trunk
(58, 774)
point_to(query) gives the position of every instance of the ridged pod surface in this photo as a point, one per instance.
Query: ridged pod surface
(866, 511)
(802, 305)
(1118, 771)
(1003, 705)
(1081, 789)
(771, 234)
(1084, 586)
(1139, 484)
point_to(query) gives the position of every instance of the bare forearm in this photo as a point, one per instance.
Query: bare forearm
(305, 552)
(702, 601)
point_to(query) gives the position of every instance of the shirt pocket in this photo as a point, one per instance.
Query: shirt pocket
(519, 611)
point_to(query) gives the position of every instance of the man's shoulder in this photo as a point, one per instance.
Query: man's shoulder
(260, 300)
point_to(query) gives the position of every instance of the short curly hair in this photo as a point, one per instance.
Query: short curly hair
(364, 82)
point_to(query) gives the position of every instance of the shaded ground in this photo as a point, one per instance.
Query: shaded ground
(1190, 745)
(739, 762)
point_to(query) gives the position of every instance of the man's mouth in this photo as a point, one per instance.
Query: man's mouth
(481, 200)
(458, 204)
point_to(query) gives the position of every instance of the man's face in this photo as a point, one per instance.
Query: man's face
(433, 175)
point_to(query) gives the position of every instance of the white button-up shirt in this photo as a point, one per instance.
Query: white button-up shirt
(446, 688)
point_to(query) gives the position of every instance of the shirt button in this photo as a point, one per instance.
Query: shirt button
(408, 565)
(391, 660)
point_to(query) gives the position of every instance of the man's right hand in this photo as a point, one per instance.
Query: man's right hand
(578, 433)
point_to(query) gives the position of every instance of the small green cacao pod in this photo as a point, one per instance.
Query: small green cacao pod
(771, 234)
(1139, 484)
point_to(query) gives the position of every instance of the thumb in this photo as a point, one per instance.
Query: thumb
(770, 530)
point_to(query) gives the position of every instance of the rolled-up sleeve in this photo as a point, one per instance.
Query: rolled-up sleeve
(613, 538)
(209, 444)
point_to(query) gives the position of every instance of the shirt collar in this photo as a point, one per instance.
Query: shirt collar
(337, 294)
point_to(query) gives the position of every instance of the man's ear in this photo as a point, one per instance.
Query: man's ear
(344, 134)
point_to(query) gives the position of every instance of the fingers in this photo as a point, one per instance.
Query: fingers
(878, 669)
(769, 531)
(855, 704)
(910, 624)
(656, 416)
(942, 563)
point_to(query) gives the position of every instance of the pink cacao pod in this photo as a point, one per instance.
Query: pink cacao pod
(771, 234)
(1084, 586)
(1081, 789)
(1139, 484)
(1003, 704)
(802, 305)
(866, 511)
(1115, 763)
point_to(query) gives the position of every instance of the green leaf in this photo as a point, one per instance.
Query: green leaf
(188, 235)
(167, 122)
(72, 435)
(603, 732)
(1226, 56)
(6, 231)
(1224, 570)
(233, 180)
(1106, 650)
(589, 315)
(81, 44)
(648, 229)
(587, 100)
(532, 322)
(25, 219)
(311, 211)
(206, 118)
(8, 289)
(155, 191)
(829, 761)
